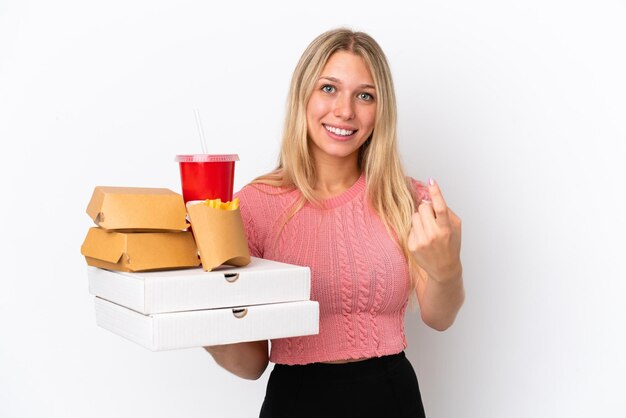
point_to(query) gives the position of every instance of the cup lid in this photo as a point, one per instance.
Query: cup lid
(206, 158)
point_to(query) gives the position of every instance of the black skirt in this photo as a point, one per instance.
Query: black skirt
(382, 387)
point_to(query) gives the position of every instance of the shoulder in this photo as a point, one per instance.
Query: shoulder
(249, 191)
(257, 192)
(263, 200)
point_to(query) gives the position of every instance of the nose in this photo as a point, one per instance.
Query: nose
(344, 107)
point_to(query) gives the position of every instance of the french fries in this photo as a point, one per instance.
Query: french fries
(218, 204)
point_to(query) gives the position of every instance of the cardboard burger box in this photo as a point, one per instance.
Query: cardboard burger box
(139, 251)
(192, 308)
(138, 229)
(137, 209)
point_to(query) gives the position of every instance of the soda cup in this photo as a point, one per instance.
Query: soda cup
(207, 176)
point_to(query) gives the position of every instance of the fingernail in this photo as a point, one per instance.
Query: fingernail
(431, 181)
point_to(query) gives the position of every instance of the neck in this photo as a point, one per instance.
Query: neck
(335, 176)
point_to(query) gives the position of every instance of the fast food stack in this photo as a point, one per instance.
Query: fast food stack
(144, 273)
(138, 229)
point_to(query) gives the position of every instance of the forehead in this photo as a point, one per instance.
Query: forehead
(347, 67)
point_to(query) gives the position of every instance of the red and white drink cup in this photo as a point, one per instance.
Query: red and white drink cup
(207, 176)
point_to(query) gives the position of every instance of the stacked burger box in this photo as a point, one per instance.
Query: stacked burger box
(143, 271)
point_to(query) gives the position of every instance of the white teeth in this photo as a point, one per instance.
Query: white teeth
(337, 131)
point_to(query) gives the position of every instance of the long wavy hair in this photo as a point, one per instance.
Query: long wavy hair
(388, 190)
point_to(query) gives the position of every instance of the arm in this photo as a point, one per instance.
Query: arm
(435, 243)
(246, 360)
(440, 301)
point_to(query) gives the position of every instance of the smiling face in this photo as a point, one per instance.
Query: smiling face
(342, 109)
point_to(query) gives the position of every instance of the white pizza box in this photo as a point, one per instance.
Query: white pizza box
(260, 282)
(169, 331)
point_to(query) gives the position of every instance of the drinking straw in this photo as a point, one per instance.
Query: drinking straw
(200, 130)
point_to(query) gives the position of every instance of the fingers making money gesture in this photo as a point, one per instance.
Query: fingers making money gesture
(435, 237)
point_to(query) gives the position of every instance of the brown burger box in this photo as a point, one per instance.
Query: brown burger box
(139, 251)
(137, 209)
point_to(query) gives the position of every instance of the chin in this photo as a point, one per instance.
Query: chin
(338, 151)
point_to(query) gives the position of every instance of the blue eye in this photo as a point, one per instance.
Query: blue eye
(366, 97)
(326, 88)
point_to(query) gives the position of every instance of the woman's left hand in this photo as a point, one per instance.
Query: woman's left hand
(435, 237)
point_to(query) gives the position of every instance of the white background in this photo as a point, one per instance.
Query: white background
(516, 108)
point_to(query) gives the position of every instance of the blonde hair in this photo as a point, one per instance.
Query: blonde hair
(389, 191)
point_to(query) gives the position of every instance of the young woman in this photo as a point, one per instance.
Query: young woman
(340, 203)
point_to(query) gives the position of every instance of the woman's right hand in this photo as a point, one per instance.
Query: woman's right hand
(247, 360)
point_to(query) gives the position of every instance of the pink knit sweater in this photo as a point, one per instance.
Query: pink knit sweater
(359, 275)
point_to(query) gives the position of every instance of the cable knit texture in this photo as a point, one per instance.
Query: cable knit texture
(359, 275)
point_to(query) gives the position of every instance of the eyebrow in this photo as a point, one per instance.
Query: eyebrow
(336, 80)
